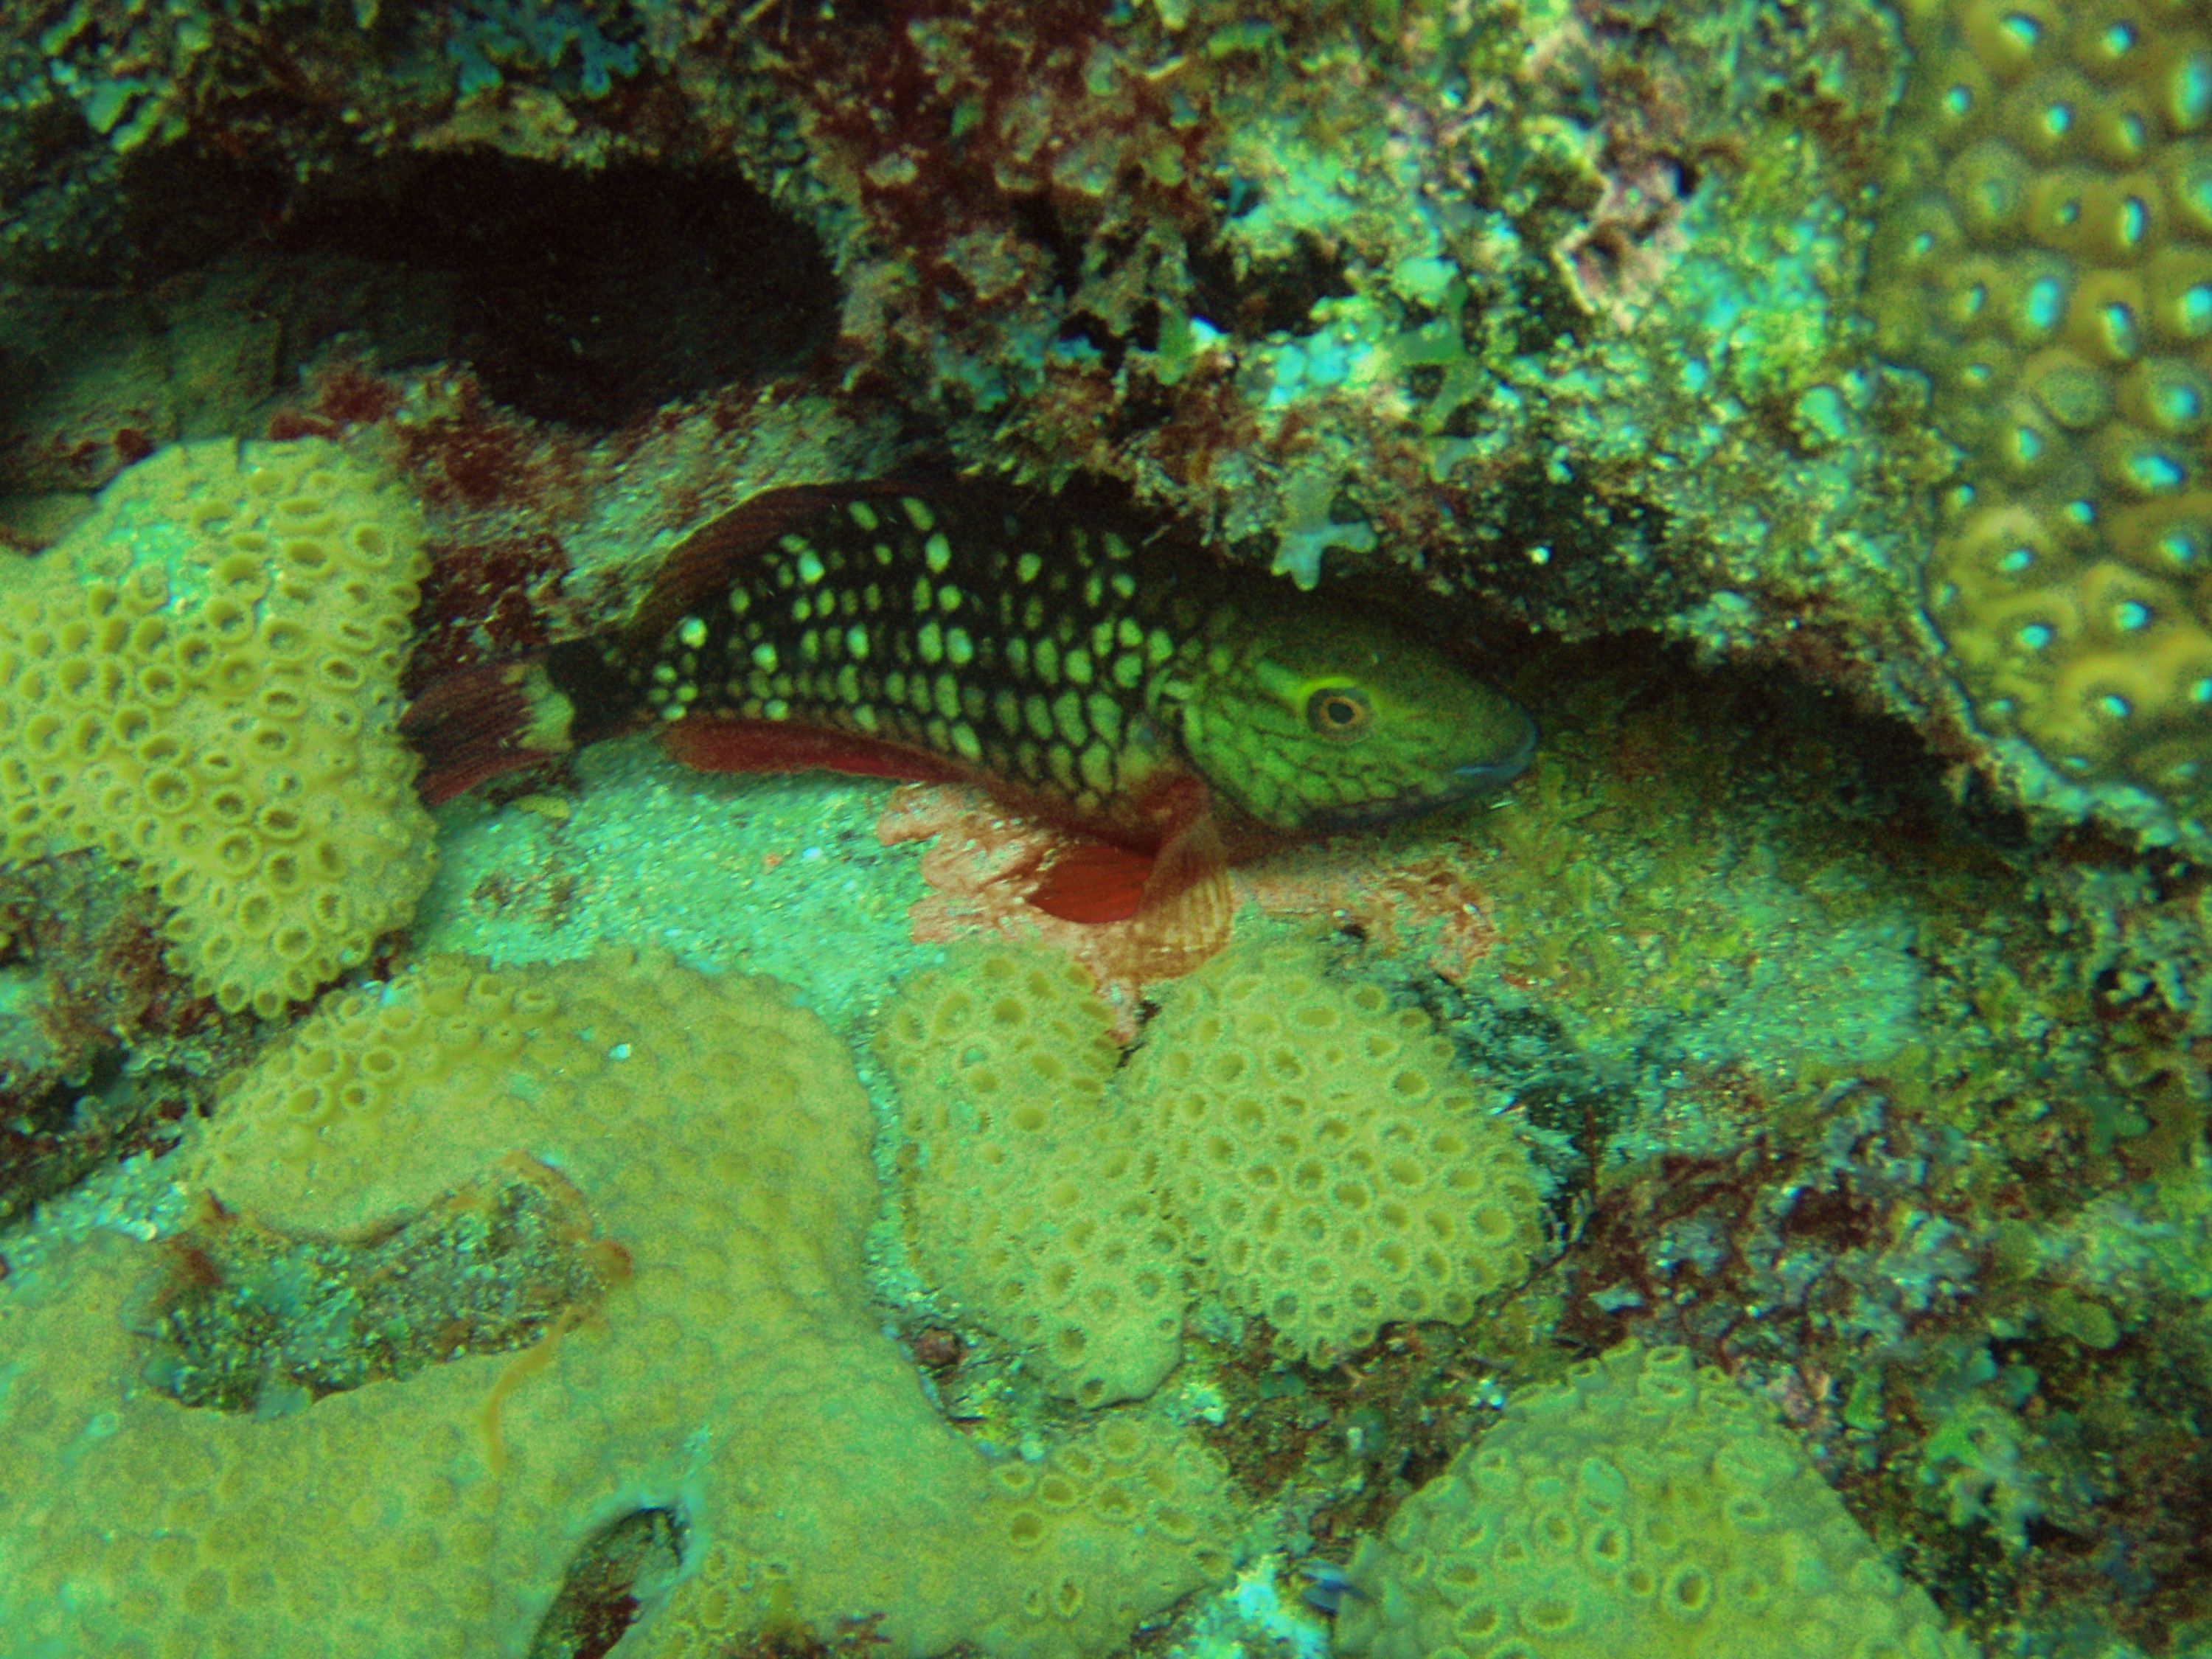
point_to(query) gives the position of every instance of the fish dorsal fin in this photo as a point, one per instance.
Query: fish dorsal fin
(484, 721)
(698, 572)
(735, 745)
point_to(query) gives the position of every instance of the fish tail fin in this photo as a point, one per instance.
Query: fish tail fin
(485, 721)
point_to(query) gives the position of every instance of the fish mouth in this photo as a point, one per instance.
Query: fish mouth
(1481, 777)
(1464, 783)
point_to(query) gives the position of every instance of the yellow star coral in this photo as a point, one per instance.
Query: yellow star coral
(737, 1378)
(1294, 1140)
(1644, 1506)
(2046, 258)
(202, 682)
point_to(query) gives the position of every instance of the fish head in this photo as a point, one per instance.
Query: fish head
(1314, 720)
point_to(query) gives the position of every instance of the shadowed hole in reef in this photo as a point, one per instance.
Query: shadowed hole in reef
(593, 298)
(618, 1569)
(246, 1319)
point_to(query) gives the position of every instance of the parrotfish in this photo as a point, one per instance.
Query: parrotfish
(1172, 713)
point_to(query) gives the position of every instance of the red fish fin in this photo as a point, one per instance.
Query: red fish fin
(484, 722)
(727, 745)
(699, 570)
(1094, 881)
(1180, 897)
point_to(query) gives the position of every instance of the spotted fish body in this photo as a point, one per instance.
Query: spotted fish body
(1038, 655)
(1138, 695)
(1085, 673)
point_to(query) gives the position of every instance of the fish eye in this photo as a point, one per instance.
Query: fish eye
(1341, 712)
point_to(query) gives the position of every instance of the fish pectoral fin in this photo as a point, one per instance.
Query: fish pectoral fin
(706, 744)
(1178, 897)
(1188, 903)
(1093, 882)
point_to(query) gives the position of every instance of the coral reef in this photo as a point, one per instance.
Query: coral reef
(1888, 1208)
(1644, 1505)
(1130, 242)
(709, 1353)
(1911, 1227)
(202, 682)
(1145, 253)
(1300, 1146)
(1578, 337)
(1543, 320)
(2046, 259)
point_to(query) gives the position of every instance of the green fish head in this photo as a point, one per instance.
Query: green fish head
(1313, 722)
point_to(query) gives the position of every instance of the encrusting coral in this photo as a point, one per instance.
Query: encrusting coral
(1292, 1140)
(202, 682)
(2046, 259)
(728, 1371)
(1644, 1505)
